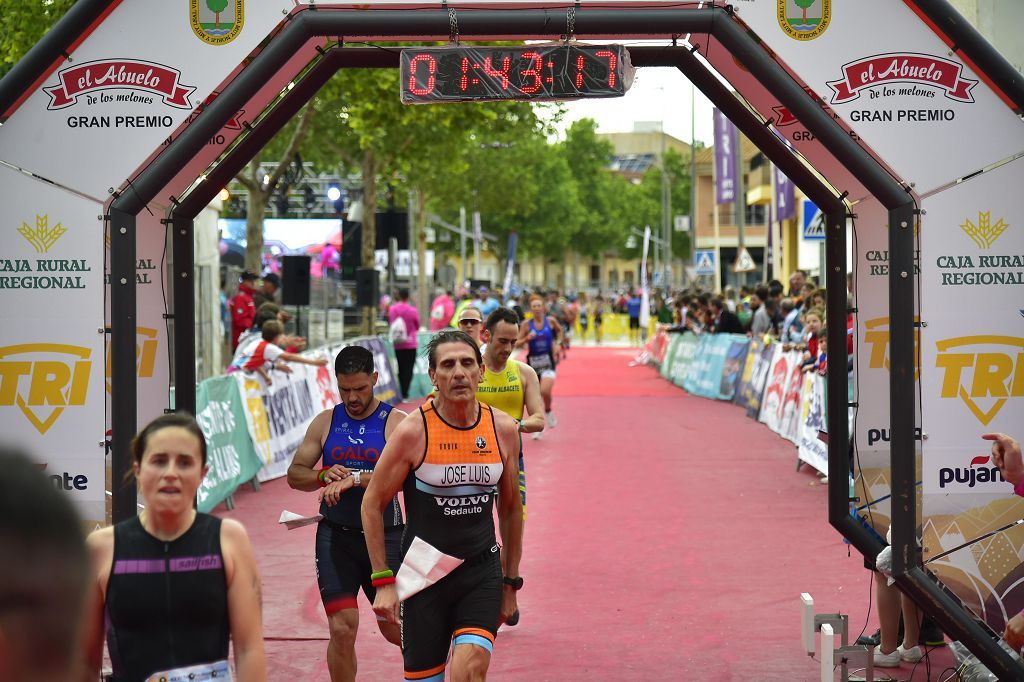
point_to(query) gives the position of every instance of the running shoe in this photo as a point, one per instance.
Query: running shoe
(911, 655)
(552, 422)
(889, 660)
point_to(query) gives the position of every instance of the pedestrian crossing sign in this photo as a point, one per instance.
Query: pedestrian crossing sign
(704, 263)
(744, 262)
(814, 222)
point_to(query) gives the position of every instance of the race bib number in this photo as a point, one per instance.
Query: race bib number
(540, 362)
(204, 672)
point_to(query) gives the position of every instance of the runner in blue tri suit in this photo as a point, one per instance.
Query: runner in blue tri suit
(348, 440)
(542, 342)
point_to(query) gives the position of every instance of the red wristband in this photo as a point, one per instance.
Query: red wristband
(381, 582)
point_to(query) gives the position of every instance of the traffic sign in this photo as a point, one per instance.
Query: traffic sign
(682, 223)
(814, 222)
(744, 262)
(705, 263)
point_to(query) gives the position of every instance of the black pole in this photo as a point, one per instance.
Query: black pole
(124, 393)
(51, 49)
(967, 41)
(184, 312)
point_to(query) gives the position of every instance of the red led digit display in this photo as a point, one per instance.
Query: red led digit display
(548, 72)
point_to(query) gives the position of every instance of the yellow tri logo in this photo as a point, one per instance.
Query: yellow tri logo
(145, 354)
(876, 336)
(44, 378)
(984, 371)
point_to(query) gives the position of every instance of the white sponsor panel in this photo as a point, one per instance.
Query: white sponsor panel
(152, 362)
(916, 104)
(972, 256)
(127, 88)
(51, 353)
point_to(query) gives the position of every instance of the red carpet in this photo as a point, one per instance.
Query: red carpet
(668, 538)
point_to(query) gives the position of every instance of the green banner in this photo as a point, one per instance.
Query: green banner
(670, 353)
(230, 454)
(683, 358)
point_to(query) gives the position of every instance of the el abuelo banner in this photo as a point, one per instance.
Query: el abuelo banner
(972, 254)
(51, 349)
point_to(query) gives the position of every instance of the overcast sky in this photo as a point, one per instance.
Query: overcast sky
(658, 94)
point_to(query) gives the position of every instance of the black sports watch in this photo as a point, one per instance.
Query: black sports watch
(515, 583)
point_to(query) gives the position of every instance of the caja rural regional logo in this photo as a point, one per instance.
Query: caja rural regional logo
(42, 236)
(984, 234)
(804, 19)
(42, 379)
(983, 371)
(216, 22)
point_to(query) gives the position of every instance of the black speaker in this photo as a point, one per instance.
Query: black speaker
(351, 249)
(295, 280)
(393, 224)
(367, 287)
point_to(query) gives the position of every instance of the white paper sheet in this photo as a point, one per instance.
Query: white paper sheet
(291, 520)
(423, 566)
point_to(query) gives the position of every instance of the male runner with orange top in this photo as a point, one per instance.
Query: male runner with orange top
(450, 459)
(348, 440)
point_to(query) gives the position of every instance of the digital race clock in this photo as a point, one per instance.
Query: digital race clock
(530, 72)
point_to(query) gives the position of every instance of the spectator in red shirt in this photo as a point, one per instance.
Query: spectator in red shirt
(243, 307)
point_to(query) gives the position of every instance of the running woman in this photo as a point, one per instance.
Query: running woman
(172, 585)
(348, 440)
(450, 459)
(542, 341)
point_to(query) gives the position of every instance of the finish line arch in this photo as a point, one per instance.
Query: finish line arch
(125, 90)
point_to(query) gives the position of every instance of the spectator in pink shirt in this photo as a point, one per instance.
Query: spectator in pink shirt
(403, 335)
(441, 311)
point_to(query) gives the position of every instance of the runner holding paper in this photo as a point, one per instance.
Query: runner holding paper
(348, 440)
(451, 458)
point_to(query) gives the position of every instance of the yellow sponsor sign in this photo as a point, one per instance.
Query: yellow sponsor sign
(145, 354)
(983, 370)
(42, 379)
(876, 336)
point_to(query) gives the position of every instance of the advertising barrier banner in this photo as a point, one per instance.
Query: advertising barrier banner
(671, 349)
(780, 407)
(811, 448)
(231, 456)
(420, 385)
(713, 373)
(755, 375)
(384, 361)
(686, 350)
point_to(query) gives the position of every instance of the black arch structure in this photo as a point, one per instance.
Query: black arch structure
(495, 23)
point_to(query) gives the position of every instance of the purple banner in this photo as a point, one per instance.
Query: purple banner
(785, 199)
(726, 149)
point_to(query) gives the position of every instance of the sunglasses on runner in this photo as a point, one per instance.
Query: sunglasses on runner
(469, 321)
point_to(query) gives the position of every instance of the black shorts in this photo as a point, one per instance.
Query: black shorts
(343, 564)
(634, 323)
(461, 608)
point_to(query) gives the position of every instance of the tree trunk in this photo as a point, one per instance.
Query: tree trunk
(369, 171)
(254, 231)
(217, 20)
(422, 286)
